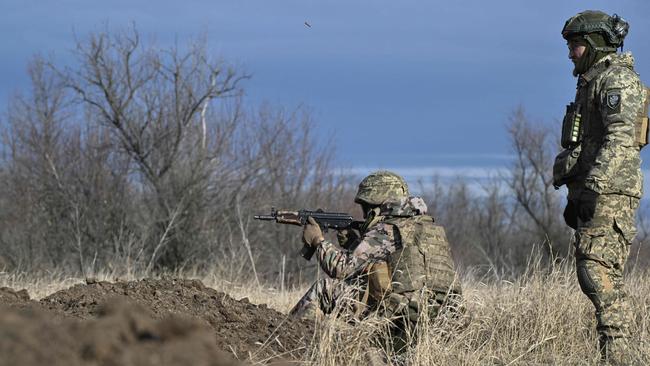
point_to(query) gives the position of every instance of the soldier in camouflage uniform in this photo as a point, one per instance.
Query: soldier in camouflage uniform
(602, 134)
(399, 265)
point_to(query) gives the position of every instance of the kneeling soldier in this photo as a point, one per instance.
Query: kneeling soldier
(399, 265)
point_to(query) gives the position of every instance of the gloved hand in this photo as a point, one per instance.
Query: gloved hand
(587, 204)
(312, 234)
(347, 237)
(571, 215)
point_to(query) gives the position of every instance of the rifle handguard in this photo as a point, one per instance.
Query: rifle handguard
(326, 220)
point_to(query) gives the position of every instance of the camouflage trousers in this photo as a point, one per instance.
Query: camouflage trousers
(326, 293)
(601, 249)
(407, 310)
(403, 310)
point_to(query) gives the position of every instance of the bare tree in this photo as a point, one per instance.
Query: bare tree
(531, 182)
(62, 191)
(144, 158)
(154, 104)
(283, 164)
(504, 219)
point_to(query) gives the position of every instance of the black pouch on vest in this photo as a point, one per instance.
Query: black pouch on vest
(565, 167)
(571, 131)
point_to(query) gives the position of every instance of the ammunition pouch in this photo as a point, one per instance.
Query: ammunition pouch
(642, 132)
(571, 127)
(565, 168)
(379, 280)
(642, 122)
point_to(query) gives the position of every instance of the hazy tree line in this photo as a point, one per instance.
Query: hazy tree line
(515, 216)
(141, 159)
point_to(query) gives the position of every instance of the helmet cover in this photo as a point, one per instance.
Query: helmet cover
(612, 28)
(381, 186)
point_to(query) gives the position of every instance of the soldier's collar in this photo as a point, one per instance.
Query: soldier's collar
(595, 70)
(373, 217)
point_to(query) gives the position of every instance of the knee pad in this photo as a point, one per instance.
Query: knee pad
(585, 272)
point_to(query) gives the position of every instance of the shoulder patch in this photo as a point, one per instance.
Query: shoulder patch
(613, 100)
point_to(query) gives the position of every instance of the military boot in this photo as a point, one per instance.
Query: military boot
(304, 312)
(615, 351)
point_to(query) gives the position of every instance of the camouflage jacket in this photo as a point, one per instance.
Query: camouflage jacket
(611, 97)
(377, 242)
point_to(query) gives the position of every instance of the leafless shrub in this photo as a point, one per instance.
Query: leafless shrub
(142, 159)
(147, 159)
(531, 183)
(513, 216)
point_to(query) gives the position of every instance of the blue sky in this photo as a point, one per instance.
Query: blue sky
(407, 85)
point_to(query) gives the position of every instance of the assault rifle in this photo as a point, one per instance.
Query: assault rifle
(326, 221)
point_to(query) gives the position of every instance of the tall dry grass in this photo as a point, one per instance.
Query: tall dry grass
(541, 318)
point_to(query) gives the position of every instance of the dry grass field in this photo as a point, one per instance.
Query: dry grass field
(539, 319)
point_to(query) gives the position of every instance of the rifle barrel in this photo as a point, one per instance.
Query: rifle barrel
(264, 217)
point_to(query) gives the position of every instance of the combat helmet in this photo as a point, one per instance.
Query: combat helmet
(613, 29)
(381, 186)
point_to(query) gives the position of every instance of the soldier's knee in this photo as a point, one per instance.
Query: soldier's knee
(587, 272)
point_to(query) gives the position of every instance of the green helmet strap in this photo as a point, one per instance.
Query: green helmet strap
(592, 43)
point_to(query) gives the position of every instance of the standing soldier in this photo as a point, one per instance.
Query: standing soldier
(400, 264)
(602, 134)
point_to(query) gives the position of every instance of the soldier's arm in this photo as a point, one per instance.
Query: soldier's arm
(377, 243)
(620, 102)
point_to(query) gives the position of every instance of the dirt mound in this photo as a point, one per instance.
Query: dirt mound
(122, 334)
(245, 329)
(9, 296)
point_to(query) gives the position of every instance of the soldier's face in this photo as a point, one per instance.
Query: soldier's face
(576, 50)
(365, 208)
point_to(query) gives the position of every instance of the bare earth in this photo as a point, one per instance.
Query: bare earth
(146, 322)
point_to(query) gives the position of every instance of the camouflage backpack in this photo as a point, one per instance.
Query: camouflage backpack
(423, 262)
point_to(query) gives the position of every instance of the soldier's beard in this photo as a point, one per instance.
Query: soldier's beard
(587, 60)
(582, 64)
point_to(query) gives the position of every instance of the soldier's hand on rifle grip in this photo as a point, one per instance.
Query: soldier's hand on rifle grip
(347, 237)
(312, 235)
